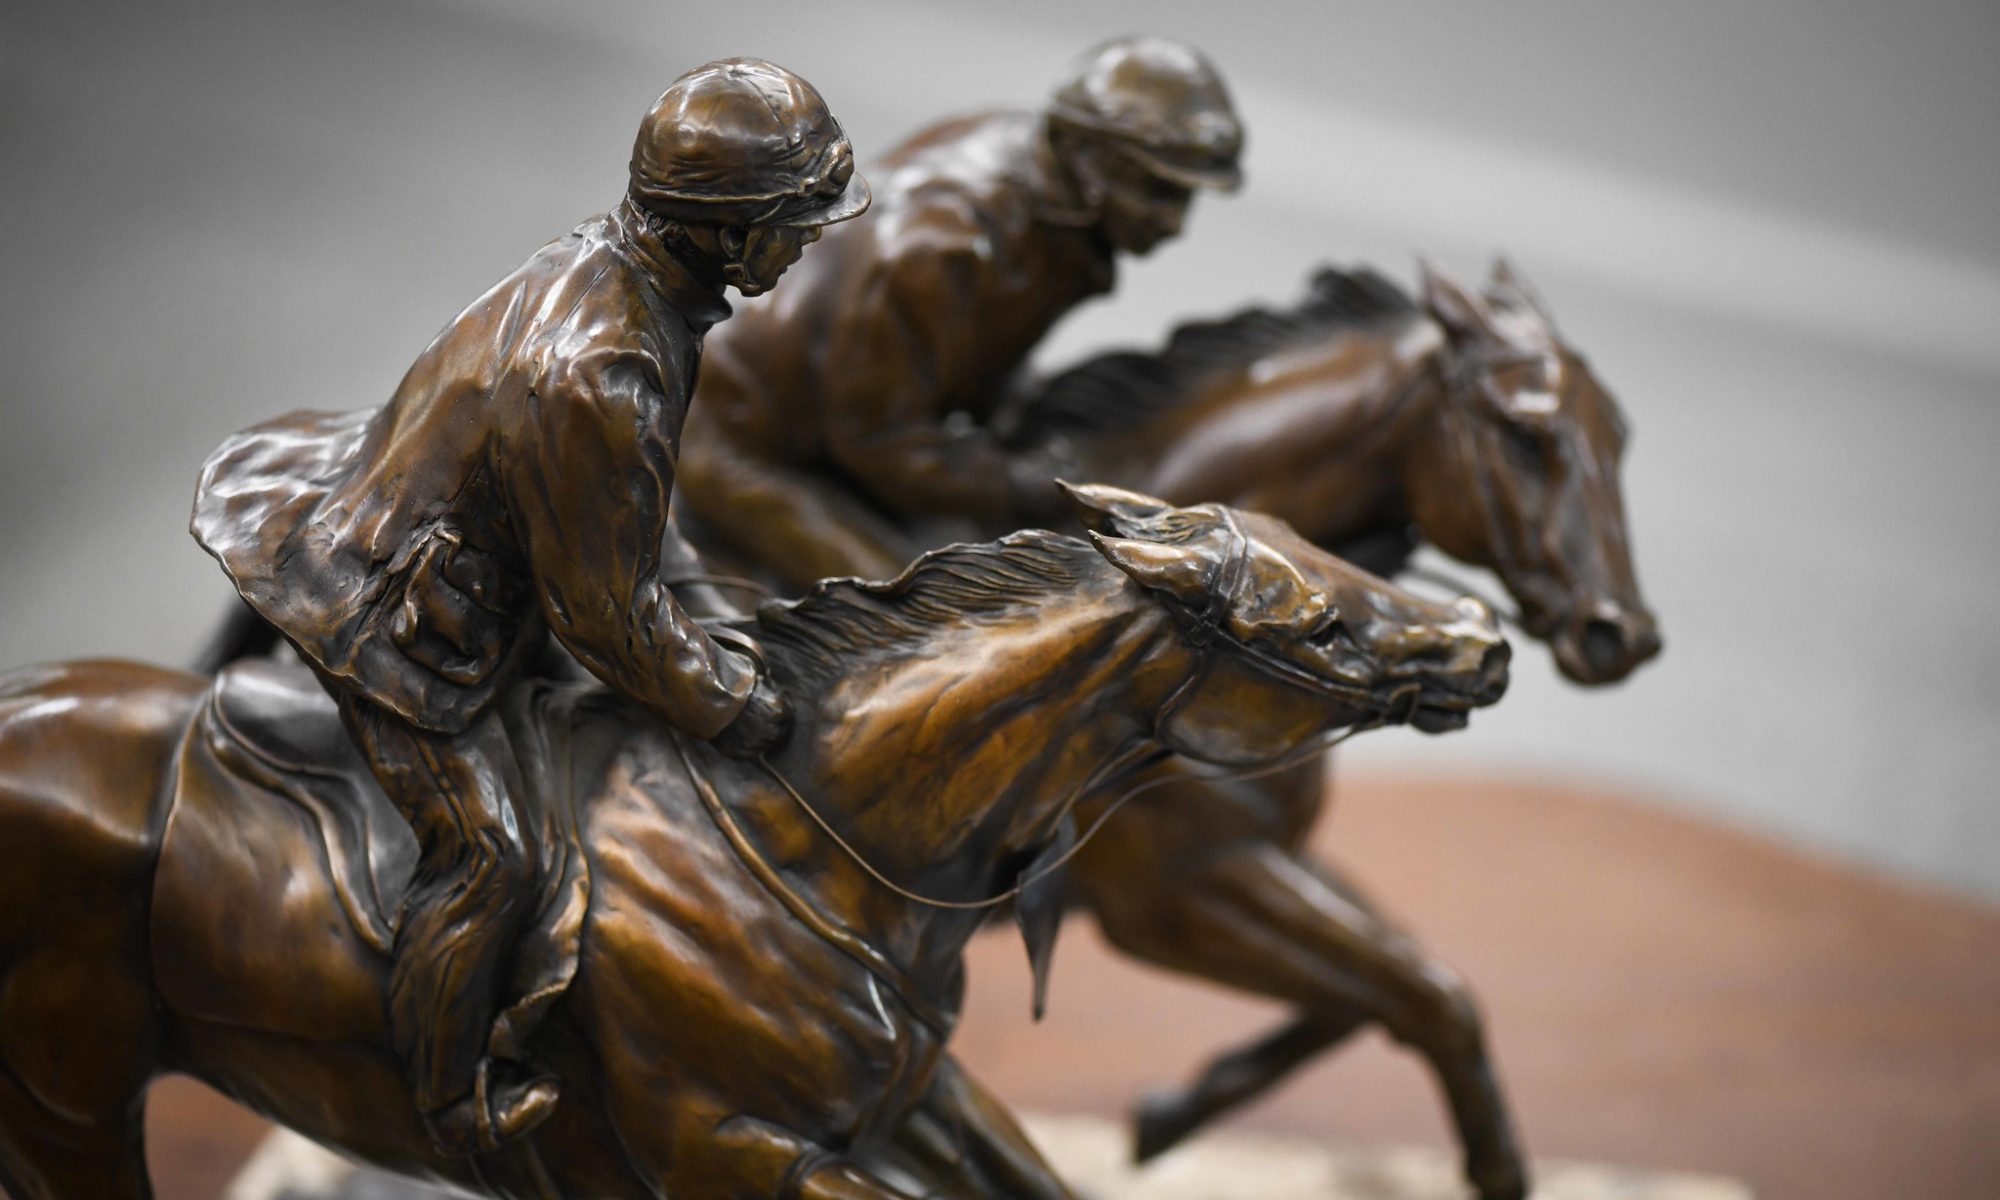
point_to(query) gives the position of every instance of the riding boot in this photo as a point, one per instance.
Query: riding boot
(495, 1112)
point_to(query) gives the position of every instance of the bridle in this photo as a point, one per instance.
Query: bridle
(1464, 380)
(1204, 630)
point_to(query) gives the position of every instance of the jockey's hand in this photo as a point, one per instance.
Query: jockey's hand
(762, 726)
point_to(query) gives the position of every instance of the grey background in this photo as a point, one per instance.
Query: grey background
(1775, 228)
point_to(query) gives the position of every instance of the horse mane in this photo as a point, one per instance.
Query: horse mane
(820, 632)
(1117, 387)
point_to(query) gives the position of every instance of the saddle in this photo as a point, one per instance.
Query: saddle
(271, 799)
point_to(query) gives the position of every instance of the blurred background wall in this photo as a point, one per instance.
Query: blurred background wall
(1774, 228)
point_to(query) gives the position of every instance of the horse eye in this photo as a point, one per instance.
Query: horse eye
(1330, 633)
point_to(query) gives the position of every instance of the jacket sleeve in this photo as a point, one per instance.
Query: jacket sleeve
(895, 368)
(589, 480)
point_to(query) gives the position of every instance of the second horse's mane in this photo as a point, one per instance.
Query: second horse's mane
(1113, 389)
(819, 632)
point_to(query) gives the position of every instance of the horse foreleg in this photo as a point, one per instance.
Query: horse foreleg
(1262, 920)
(962, 1142)
(1167, 1117)
(47, 1156)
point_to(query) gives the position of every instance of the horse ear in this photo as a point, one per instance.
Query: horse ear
(1508, 281)
(1179, 571)
(1460, 309)
(1100, 506)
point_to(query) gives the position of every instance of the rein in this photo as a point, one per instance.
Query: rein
(807, 913)
(1206, 631)
(1450, 582)
(1298, 755)
(737, 582)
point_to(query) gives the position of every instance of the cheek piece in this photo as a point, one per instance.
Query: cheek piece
(1170, 727)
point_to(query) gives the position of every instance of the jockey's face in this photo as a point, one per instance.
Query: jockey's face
(1139, 209)
(747, 258)
(766, 250)
(755, 257)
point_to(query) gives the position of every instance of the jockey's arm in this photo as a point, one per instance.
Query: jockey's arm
(892, 375)
(590, 481)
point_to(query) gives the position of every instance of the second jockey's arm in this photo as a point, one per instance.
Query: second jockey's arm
(895, 369)
(590, 483)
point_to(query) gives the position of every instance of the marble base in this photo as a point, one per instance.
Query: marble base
(1093, 1155)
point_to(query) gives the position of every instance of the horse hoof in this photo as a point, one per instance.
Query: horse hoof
(1510, 1184)
(1159, 1124)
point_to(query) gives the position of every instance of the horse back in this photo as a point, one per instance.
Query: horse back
(281, 865)
(84, 750)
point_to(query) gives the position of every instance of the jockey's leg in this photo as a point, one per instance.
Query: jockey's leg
(798, 524)
(468, 904)
(962, 1142)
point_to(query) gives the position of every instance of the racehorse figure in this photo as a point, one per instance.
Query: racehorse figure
(193, 875)
(1371, 422)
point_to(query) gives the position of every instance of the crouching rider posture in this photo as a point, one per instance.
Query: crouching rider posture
(419, 554)
(835, 420)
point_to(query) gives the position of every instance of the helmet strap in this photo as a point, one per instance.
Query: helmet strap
(1063, 150)
(711, 264)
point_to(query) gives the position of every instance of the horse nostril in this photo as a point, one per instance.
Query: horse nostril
(1493, 672)
(1604, 645)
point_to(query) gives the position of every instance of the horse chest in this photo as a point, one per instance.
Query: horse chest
(711, 993)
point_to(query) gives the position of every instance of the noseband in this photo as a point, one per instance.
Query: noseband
(1205, 629)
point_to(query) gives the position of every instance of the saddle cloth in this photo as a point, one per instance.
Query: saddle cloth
(272, 802)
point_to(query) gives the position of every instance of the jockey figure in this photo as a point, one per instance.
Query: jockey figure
(420, 554)
(860, 402)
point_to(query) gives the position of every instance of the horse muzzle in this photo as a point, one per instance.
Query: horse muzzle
(1442, 708)
(1606, 645)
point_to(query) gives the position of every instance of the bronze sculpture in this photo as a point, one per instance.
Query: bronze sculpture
(941, 299)
(418, 555)
(202, 879)
(1369, 420)
(1365, 417)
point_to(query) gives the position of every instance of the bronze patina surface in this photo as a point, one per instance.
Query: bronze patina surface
(197, 876)
(878, 406)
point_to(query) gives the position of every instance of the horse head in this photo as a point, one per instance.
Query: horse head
(1292, 641)
(1519, 473)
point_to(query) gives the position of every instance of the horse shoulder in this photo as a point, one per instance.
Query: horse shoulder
(704, 990)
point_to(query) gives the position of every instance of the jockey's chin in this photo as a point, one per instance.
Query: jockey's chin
(766, 254)
(1138, 229)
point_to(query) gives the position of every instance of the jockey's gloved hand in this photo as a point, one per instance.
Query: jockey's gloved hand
(762, 725)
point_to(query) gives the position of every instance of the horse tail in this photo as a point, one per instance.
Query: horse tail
(241, 634)
(85, 757)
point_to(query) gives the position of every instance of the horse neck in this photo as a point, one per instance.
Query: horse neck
(946, 764)
(1312, 433)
